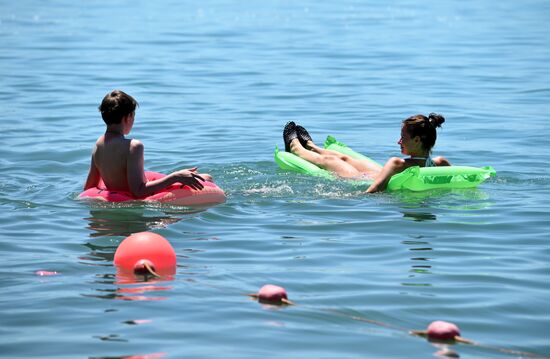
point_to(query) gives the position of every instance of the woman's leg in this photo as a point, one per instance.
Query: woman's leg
(362, 166)
(327, 161)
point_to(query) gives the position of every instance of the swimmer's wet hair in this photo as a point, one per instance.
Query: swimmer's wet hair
(116, 105)
(424, 127)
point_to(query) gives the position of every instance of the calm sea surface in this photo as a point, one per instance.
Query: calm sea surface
(216, 82)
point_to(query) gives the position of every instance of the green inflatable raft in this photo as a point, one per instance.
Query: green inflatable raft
(413, 178)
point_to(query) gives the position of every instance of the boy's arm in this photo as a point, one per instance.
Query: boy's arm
(391, 167)
(93, 175)
(135, 172)
(138, 184)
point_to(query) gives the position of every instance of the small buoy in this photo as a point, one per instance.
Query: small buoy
(440, 330)
(272, 294)
(146, 253)
(44, 273)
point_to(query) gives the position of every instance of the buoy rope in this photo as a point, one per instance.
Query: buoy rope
(421, 333)
(150, 270)
(284, 301)
(457, 339)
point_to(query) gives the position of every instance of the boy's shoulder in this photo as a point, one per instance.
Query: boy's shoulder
(118, 145)
(100, 140)
(135, 145)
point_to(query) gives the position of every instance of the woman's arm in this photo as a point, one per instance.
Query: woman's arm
(393, 165)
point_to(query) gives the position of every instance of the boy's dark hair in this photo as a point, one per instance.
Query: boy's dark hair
(115, 106)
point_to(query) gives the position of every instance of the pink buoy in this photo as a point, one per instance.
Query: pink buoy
(271, 294)
(440, 330)
(45, 273)
(146, 253)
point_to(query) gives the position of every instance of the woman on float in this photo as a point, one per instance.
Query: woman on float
(418, 136)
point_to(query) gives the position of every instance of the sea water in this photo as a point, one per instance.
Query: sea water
(216, 82)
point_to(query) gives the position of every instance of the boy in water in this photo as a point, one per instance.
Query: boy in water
(118, 161)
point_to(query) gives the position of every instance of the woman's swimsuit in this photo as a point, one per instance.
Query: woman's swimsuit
(428, 163)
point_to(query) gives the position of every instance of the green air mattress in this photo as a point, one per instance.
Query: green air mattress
(413, 178)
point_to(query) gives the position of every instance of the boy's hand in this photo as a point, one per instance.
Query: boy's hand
(204, 176)
(189, 177)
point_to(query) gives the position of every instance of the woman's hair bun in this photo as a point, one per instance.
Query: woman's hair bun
(436, 119)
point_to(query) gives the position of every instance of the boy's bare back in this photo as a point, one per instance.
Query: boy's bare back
(111, 156)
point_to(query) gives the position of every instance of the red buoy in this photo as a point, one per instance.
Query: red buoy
(440, 330)
(146, 253)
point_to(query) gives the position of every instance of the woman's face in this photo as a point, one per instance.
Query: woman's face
(409, 146)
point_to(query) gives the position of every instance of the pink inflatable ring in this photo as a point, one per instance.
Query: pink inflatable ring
(176, 194)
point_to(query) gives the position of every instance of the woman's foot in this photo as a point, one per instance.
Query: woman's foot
(303, 136)
(289, 133)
